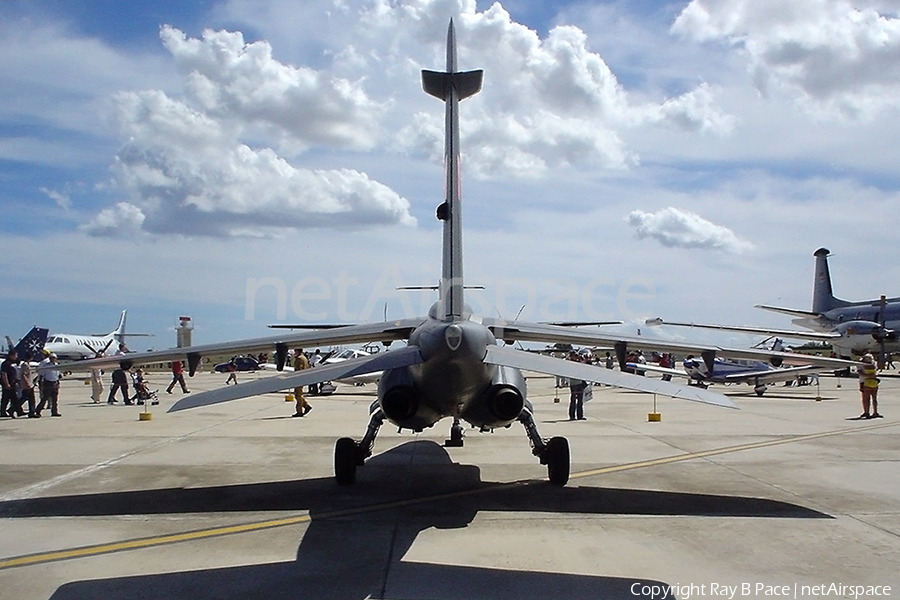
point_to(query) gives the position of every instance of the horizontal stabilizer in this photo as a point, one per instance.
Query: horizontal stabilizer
(438, 83)
(790, 311)
(498, 355)
(349, 368)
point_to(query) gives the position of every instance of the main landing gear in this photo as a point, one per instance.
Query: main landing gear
(554, 452)
(349, 454)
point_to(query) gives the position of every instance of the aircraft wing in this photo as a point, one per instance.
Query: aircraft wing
(350, 334)
(657, 369)
(789, 311)
(788, 358)
(499, 355)
(391, 359)
(551, 334)
(770, 375)
(538, 332)
(788, 333)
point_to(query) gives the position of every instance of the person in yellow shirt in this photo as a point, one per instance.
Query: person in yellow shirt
(300, 363)
(868, 387)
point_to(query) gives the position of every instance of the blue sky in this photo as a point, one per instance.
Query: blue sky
(624, 159)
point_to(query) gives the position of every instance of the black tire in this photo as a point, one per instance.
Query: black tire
(346, 453)
(557, 455)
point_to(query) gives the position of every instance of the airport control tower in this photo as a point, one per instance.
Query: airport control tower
(184, 330)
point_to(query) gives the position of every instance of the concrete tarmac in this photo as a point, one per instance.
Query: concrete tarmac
(238, 501)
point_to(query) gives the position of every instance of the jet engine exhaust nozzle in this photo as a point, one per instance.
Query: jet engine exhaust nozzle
(505, 402)
(400, 403)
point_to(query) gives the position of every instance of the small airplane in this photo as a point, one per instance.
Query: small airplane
(456, 364)
(852, 328)
(328, 387)
(32, 344)
(69, 346)
(756, 373)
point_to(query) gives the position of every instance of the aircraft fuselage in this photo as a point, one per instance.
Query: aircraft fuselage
(452, 380)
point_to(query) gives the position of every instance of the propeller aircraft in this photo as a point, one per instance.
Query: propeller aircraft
(852, 328)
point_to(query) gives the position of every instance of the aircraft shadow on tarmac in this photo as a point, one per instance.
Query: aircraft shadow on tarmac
(358, 553)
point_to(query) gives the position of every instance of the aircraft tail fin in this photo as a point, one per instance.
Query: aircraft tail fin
(32, 344)
(823, 296)
(451, 86)
(119, 331)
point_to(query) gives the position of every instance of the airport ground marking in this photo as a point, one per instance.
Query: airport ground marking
(161, 540)
(31, 490)
(727, 450)
(149, 542)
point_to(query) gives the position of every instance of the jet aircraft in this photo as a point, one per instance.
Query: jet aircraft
(453, 365)
(69, 346)
(852, 328)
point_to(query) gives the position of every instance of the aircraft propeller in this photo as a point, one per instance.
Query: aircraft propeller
(94, 350)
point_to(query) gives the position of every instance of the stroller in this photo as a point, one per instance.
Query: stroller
(142, 394)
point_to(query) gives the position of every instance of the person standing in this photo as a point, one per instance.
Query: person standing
(97, 381)
(177, 377)
(868, 387)
(120, 382)
(231, 367)
(49, 386)
(26, 385)
(576, 394)
(301, 363)
(665, 361)
(9, 378)
(314, 361)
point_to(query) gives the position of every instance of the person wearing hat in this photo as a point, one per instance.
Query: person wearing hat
(49, 386)
(868, 387)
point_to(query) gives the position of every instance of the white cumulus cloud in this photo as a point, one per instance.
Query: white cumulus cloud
(546, 103)
(117, 221)
(190, 166)
(839, 56)
(677, 228)
(228, 78)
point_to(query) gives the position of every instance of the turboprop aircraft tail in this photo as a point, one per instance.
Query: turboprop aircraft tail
(451, 87)
(823, 297)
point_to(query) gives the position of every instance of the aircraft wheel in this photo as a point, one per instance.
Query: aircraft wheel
(760, 390)
(557, 458)
(346, 453)
(456, 437)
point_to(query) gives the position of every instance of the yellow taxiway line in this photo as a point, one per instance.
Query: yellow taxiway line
(135, 544)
